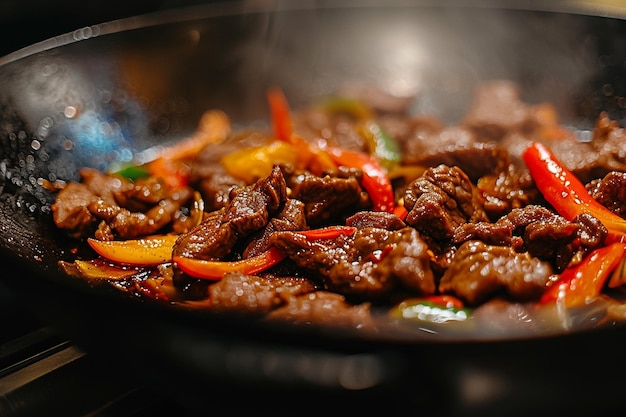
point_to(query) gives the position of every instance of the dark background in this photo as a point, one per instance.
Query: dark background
(23, 22)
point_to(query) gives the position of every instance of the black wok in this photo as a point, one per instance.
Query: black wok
(102, 93)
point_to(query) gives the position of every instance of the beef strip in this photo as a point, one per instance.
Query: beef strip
(539, 231)
(610, 191)
(379, 219)
(456, 146)
(70, 208)
(369, 264)
(480, 271)
(145, 193)
(256, 295)
(290, 218)
(328, 198)
(122, 224)
(216, 186)
(609, 138)
(249, 209)
(336, 127)
(121, 209)
(210, 240)
(70, 211)
(107, 187)
(326, 309)
(497, 110)
(506, 190)
(440, 201)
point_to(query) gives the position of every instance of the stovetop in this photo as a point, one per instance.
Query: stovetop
(42, 373)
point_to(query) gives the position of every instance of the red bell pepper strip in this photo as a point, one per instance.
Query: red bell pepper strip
(400, 211)
(280, 114)
(329, 232)
(565, 192)
(175, 173)
(215, 270)
(583, 282)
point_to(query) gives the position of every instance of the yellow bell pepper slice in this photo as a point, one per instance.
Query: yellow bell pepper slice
(92, 270)
(152, 250)
(250, 164)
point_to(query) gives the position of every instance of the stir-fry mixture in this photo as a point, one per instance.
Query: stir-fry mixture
(353, 209)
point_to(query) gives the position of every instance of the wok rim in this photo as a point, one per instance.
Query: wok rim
(237, 7)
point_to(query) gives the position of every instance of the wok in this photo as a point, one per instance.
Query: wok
(105, 92)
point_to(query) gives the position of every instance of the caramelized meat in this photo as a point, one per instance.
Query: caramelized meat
(610, 191)
(326, 198)
(255, 295)
(248, 211)
(371, 263)
(441, 200)
(118, 207)
(480, 271)
(326, 309)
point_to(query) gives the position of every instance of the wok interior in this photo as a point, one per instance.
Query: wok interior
(103, 99)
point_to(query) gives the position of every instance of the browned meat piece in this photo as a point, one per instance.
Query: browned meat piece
(584, 160)
(145, 193)
(124, 224)
(509, 189)
(248, 211)
(70, 208)
(212, 239)
(106, 187)
(440, 201)
(379, 219)
(216, 187)
(337, 128)
(456, 146)
(250, 207)
(326, 198)
(539, 231)
(497, 110)
(476, 160)
(371, 263)
(290, 218)
(70, 212)
(609, 138)
(258, 295)
(480, 271)
(325, 309)
(128, 209)
(610, 191)
(592, 232)
(416, 132)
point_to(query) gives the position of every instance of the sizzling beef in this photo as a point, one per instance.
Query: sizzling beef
(304, 242)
